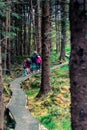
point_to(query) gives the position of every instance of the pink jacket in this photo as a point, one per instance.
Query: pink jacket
(39, 60)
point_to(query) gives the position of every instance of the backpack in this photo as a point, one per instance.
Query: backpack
(24, 65)
(34, 58)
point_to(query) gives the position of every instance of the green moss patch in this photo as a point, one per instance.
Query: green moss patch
(52, 110)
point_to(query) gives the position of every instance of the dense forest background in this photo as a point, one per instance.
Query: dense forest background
(51, 27)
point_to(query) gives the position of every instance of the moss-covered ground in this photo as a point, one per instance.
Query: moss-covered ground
(52, 110)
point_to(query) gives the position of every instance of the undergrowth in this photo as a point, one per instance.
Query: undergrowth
(52, 110)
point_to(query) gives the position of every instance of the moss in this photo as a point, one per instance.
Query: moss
(53, 108)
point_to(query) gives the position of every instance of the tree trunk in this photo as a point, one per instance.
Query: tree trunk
(38, 27)
(8, 59)
(33, 26)
(6, 41)
(1, 92)
(78, 64)
(29, 35)
(20, 34)
(45, 76)
(63, 29)
(24, 35)
(26, 27)
(57, 26)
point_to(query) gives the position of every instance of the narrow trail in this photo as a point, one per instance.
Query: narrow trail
(17, 106)
(22, 116)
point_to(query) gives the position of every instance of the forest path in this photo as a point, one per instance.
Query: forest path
(17, 106)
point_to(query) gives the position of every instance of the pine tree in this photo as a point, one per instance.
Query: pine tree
(78, 64)
(45, 76)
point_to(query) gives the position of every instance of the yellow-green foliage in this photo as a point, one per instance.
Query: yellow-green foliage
(6, 82)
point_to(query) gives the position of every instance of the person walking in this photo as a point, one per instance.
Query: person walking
(28, 65)
(34, 60)
(39, 61)
(24, 66)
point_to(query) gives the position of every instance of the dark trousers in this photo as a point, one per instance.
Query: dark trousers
(34, 66)
(39, 66)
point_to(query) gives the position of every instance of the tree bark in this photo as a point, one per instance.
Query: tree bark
(6, 42)
(29, 35)
(45, 76)
(57, 28)
(38, 27)
(63, 29)
(8, 58)
(78, 64)
(1, 90)
(33, 26)
(24, 35)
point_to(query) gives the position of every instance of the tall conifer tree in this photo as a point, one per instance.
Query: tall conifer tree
(45, 77)
(78, 64)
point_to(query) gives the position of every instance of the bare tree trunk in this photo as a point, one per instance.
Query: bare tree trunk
(33, 26)
(29, 35)
(20, 34)
(1, 91)
(1, 97)
(7, 62)
(78, 64)
(45, 76)
(24, 35)
(5, 58)
(63, 29)
(57, 28)
(8, 59)
(38, 27)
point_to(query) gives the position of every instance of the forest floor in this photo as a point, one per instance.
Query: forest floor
(51, 110)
